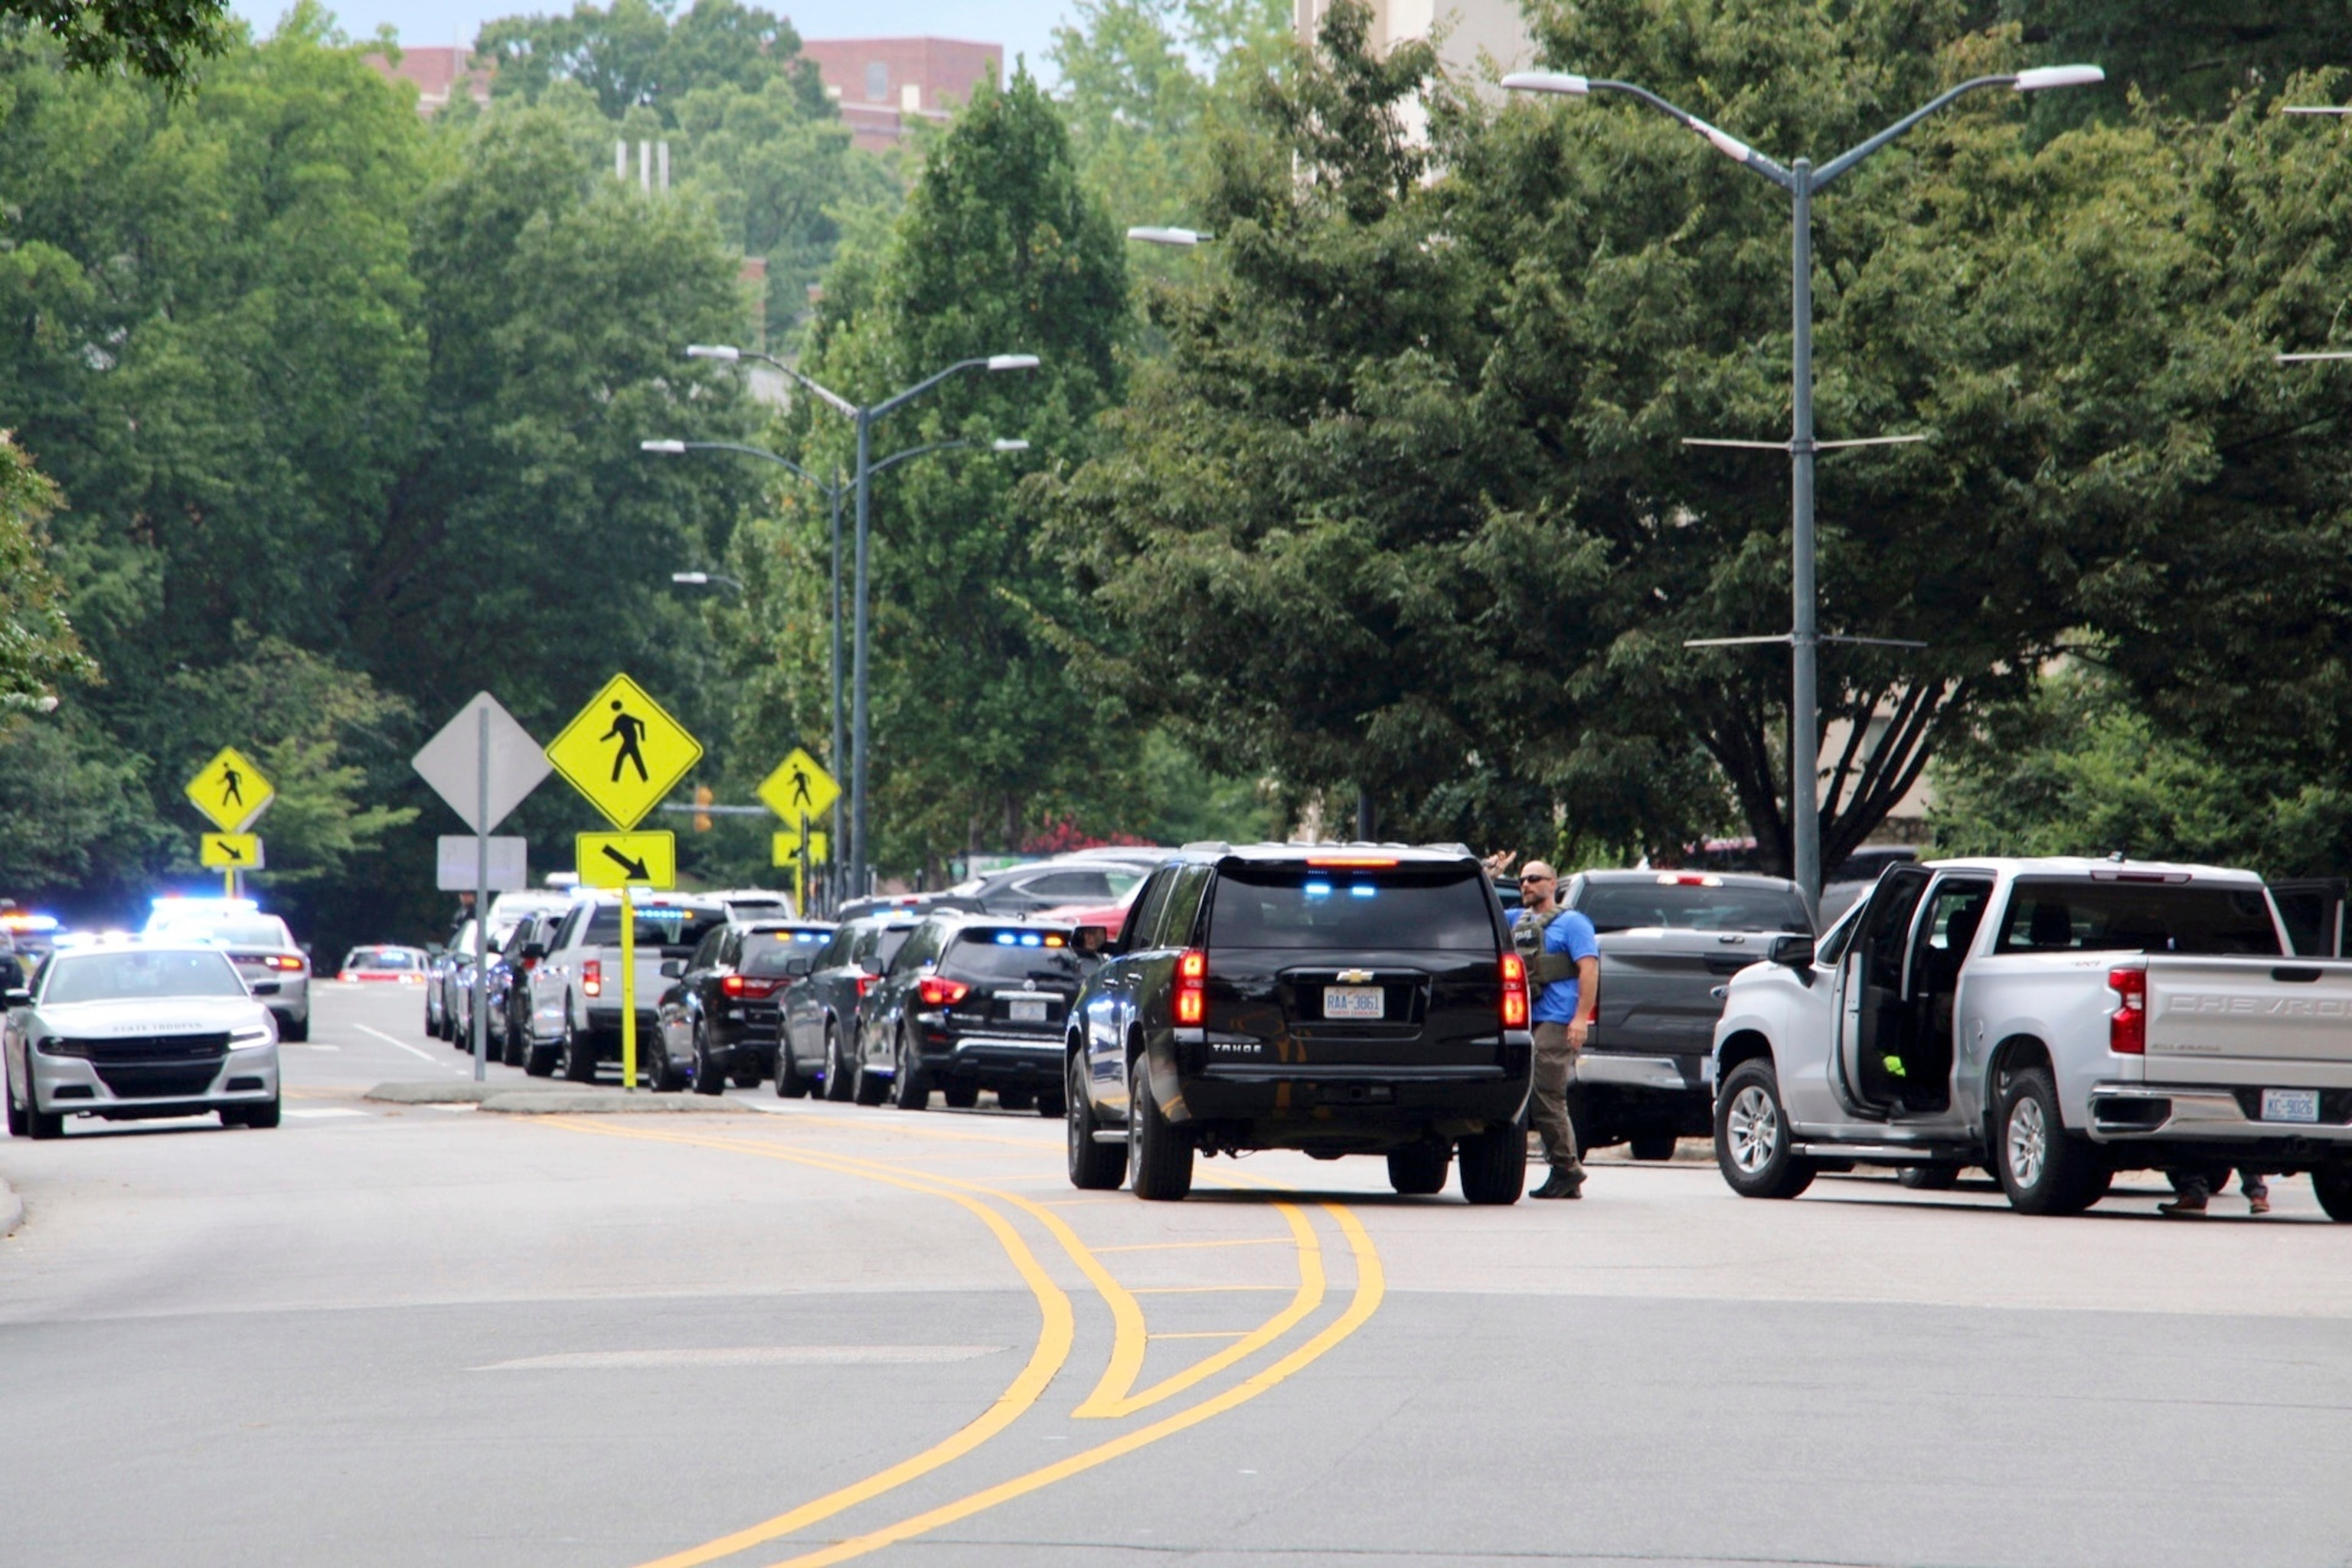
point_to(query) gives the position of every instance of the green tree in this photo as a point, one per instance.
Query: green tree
(634, 54)
(162, 40)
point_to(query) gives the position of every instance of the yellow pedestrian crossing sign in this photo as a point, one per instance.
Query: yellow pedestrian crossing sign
(230, 790)
(799, 787)
(623, 753)
(627, 859)
(787, 847)
(230, 852)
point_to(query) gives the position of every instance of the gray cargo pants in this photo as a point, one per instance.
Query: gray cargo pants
(1555, 1070)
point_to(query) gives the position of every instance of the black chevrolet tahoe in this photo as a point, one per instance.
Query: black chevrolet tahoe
(1338, 999)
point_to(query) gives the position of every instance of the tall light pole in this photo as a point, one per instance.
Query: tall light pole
(1801, 180)
(866, 469)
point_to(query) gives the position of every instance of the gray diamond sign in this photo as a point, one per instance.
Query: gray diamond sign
(483, 762)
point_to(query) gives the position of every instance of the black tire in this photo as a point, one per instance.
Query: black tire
(746, 1077)
(509, 1045)
(1159, 1155)
(1751, 1136)
(707, 1078)
(791, 1083)
(295, 1030)
(1094, 1167)
(577, 1056)
(960, 1096)
(653, 1064)
(1420, 1169)
(838, 1080)
(1929, 1178)
(2044, 1168)
(538, 1060)
(17, 1127)
(908, 1090)
(2334, 1185)
(1017, 1097)
(262, 1117)
(39, 1123)
(1051, 1103)
(1651, 1145)
(1494, 1165)
(868, 1087)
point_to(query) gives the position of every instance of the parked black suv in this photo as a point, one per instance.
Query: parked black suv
(722, 1017)
(1339, 999)
(1669, 942)
(821, 1013)
(970, 1004)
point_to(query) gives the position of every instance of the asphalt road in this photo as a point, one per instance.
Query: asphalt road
(413, 1334)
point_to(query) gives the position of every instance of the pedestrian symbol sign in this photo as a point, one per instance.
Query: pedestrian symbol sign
(231, 790)
(799, 788)
(623, 753)
(230, 852)
(627, 859)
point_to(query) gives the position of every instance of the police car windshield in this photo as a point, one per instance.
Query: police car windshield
(1687, 906)
(1291, 905)
(134, 975)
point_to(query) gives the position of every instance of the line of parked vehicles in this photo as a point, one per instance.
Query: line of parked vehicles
(2052, 1021)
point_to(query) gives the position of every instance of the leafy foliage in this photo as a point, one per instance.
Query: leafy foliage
(162, 40)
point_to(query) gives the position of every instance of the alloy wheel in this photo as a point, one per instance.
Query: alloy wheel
(1754, 1128)
(2029, 1142)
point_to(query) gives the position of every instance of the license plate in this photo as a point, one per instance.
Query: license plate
(1354, 1002)
(1029, 1010)
(2290, 1105)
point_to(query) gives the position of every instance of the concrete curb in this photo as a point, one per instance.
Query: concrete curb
(440, 1091)
(12, 1210)
(609, 1102)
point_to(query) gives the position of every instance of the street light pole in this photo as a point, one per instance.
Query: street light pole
(864, 417)
(1801, 180)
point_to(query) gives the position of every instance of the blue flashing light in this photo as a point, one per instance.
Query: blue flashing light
(1005, 939)
(1030, 940)
(1318, 889)
(1363, 891)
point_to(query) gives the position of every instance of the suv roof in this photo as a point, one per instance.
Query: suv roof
(1353, 853)
(1699, 878)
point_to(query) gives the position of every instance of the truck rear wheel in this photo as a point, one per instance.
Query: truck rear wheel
(1159, 1155)
(2044, 1168)
(2334, 1185)
(1495, 1165)
(1419, 1169)
(1751, 1136)
(1095, 1166)
(1651, 1145)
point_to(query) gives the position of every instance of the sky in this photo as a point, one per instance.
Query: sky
(1022, 26)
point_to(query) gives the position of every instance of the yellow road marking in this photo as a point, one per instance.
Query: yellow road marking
(1371, 1286)
(1056, 1330)
(1186, 1246)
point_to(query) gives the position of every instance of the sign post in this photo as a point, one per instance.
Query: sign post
(483, 763)
(625, 769)
(231, 790)
(798, 790)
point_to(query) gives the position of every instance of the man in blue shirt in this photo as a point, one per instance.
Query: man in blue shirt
(1563, 959)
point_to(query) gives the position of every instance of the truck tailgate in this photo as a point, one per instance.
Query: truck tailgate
(1657, 986)
(2206, 1014)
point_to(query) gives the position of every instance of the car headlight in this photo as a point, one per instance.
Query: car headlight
(247, 1039)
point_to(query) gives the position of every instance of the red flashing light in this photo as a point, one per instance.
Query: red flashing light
(1351, 860)
(2128, 1025)
(592, 978)
(1515, 992)
(939, 991)
(1192, 987)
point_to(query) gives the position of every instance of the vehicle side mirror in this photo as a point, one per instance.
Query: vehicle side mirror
(672, 968)
(1091, 939)
(870, 965)
(1796, 952)
(15, 996)
(434, 950)
(534, 950)
(799, 963)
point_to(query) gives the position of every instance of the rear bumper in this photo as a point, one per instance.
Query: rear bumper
(1313, 1097)
(1622, 1093)
(2211, 1119)
(991, 1060)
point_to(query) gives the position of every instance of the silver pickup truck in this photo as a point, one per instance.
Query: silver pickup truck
(2051, 1020)
(575, 985)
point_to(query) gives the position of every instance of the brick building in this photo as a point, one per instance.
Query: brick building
(437, 73)
(881, 84)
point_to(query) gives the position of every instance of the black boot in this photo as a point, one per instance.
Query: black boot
(1560, 1184)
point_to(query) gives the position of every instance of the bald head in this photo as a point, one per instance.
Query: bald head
(1536, 885)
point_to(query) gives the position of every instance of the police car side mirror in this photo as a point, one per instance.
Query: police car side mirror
(799, 963)
(1091, 941)
(672, 968)
(1796, 952)
(15, 996)
(532, 952)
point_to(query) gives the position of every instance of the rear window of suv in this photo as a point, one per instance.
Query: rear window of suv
(2048, 915)
(1011, 956)
(657, 927)
(767, 952)
(1674, 905)
(1275, 905)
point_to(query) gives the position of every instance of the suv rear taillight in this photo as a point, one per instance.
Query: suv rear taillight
(939, 992)
(1191, 987)
(2128, 1025)
(867, 983)
(748, 985)
(592, 978)
(1515, 992)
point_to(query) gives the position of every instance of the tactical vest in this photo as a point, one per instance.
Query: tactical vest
(1528, 935)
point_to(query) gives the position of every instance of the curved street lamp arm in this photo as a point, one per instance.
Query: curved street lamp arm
(757, 452)
(915, 452)
(1730, 146)
(1848, 158)
(921, 387)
